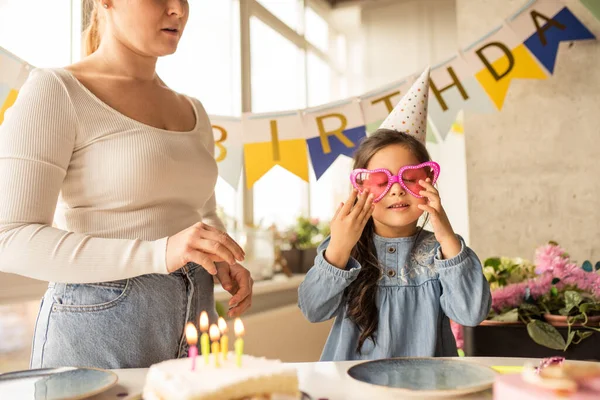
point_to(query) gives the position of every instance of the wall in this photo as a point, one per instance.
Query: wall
(530, 166)
(392, 39)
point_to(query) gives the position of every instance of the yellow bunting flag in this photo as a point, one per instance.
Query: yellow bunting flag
(13, 74)
(274, 139)
(499, 58)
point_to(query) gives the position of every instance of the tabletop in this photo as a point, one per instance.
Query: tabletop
(319, 380)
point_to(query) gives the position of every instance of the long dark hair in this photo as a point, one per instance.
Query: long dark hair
(362, 293)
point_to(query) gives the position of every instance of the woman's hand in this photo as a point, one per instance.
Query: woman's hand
(203, 245)
(442, 229)
(347, 226)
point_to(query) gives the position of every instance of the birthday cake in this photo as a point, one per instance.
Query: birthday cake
(554, 379)
(256, 378)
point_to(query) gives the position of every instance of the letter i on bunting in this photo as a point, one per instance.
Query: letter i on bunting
(272, 139)
(410, 114)
(542, 25)
(13, 74)
(332, 131)
(497, 59)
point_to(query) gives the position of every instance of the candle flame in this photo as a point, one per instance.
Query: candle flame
(222, 325)
(191, 334)
(214, 333)
(238, 326)
(204, 321)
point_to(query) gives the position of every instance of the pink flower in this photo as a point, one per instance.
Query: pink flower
(457, 331)
(549, 257)
(509, 296)
(314, 221)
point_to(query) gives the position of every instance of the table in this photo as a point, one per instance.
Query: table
(320, 380)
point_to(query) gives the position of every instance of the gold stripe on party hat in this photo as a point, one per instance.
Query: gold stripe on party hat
(410, 114)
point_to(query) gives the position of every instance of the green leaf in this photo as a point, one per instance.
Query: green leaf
(554, 291)
(584, 334)
(583, 308)
(493, 262)
(564, 311)
(220, 309)
(572, 299)
(509, 316)
(529, 309)
(545, 335)
(570, 337)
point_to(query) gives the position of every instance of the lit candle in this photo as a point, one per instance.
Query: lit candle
(191, 334)
(238, 327)
(204, 339)
(214, 338)
(224, 338)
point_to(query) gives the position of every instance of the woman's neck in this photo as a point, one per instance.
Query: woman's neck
(117, 59)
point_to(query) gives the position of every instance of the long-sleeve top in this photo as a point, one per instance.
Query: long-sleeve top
(88, 194)
(416, 295)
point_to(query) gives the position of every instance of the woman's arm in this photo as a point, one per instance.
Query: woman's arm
(36, 143)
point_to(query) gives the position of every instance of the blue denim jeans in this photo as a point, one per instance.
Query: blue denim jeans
(131, 323)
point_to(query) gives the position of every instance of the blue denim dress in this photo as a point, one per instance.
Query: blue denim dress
(417, 294)
(132, 323)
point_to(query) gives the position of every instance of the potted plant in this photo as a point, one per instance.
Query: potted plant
(549, 306)
(300, 243)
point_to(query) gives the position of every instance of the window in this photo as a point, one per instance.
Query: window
(42, 38)
(207, 67)
(278, 83)
(288, 11)
(317, 29)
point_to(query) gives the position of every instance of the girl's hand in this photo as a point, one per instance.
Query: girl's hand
(347, 226)
(442, 229)
(203, 245)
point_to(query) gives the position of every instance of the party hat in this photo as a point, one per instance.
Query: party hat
(410, 114)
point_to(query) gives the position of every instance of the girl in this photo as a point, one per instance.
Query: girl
(136, 237)
(391, 285)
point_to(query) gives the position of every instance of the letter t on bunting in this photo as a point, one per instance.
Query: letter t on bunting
(331, 131)
(274, 139)
(542, 25)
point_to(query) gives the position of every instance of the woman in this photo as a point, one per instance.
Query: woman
(136, 240)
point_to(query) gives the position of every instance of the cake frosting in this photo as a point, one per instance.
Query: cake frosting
(256, 378)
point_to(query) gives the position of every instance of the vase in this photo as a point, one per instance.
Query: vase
(561, 320)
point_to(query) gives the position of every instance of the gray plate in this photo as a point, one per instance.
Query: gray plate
(425, 377)
(56, 383)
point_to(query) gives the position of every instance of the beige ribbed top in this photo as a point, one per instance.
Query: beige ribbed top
(114, 187)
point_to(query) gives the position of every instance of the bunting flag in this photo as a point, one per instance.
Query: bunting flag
(274, 139)
(452, 88)
(228, 148)
(331, 131)
(542, 25)
(497, 59)
(13, 74)
(377, 104)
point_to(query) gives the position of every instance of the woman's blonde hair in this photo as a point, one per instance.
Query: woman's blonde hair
(92, 33)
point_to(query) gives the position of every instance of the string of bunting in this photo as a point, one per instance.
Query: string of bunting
(476, 78)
